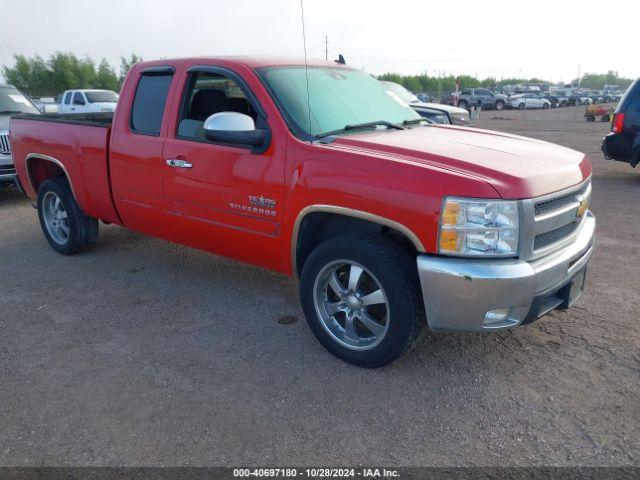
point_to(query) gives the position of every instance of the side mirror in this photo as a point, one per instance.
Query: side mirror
(233, 127)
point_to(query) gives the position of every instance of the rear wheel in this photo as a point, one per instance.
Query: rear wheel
(462, 104)
(521, 106)
(65, 226)
(499, 105)
(545, 106)
(361, 297)
(591, 118)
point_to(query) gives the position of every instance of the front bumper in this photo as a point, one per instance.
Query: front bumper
(487, 294)
(8, 178)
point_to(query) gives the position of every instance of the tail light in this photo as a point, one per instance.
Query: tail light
(618, 122)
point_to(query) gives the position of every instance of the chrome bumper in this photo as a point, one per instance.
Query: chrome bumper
(479, 295)
(11, 178)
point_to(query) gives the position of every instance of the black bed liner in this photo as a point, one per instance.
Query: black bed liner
(86, 119)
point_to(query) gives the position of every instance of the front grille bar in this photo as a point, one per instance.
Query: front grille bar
(551, 222)
(5, 146)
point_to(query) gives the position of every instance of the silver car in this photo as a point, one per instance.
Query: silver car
(12, 102)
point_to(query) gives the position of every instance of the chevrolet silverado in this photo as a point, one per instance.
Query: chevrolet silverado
(313, 169)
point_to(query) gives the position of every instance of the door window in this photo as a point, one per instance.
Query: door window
(67, 98)
(78, 99)
(208, 93)
(149, 102)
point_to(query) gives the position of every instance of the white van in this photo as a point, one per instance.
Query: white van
(88, 101)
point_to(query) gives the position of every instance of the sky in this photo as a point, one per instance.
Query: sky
(553, 40)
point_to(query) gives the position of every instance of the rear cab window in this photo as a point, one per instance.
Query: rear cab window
(150, 100)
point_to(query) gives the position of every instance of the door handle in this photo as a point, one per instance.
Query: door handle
(173, 162)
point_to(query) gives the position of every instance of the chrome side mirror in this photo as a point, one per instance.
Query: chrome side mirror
(234, 128)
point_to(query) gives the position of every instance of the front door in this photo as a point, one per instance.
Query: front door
(222, 198)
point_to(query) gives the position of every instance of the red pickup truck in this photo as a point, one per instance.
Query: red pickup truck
(391, 224)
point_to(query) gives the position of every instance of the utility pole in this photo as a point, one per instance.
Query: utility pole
(326, 47)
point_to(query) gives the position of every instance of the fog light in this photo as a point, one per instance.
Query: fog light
(496, 316)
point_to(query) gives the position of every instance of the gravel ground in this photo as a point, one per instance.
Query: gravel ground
(141, 352)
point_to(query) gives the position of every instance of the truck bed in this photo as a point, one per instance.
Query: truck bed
(77, 146)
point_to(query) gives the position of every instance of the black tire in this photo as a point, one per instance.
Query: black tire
(500, 105)
(591, 118)
(545, 106)
(396, 271)
(521, 106)
(463, 104)
(563, 103)
(82, 229)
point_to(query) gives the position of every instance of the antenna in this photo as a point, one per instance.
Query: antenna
(306, 66)
(326, 47)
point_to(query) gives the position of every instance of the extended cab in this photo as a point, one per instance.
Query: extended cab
(390, 224)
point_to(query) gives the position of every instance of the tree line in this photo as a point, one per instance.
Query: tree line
(39, 77)
(426, 83)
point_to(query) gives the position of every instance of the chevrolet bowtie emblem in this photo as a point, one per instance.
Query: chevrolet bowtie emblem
(582, 209)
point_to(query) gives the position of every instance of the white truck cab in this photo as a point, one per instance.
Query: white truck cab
(88, 101)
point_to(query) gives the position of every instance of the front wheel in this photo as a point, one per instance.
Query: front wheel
(67, 229)
(521, 106)
(545, 106)
(361, 297)
(499, 105)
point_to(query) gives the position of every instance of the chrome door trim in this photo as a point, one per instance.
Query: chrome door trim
(348, 212)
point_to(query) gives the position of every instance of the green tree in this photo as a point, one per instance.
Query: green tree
(61, 71)
(126, 64)
(106, 77)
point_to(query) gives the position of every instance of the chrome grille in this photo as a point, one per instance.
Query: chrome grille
(552, 236)
(548, 206)
(5, 146)
(551, 222)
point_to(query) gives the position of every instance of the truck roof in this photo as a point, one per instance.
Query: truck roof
(252, 62)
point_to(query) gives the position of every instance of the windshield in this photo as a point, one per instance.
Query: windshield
(402, 92)
(337, 97)
(12, 101)
(101, 96)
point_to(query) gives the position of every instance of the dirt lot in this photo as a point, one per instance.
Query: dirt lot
(145, 353)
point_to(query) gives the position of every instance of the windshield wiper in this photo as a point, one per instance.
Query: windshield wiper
(357, 126)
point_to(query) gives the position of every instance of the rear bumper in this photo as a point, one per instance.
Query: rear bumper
(481, 295)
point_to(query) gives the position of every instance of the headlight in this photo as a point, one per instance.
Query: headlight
(470, 227)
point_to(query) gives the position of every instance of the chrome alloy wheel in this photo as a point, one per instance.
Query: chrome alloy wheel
(351, 305)
(55, 218)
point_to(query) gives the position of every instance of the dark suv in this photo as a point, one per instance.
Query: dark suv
(623, 143)
(483, 97)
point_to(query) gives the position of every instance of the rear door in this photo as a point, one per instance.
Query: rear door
(218, 197)
(135, 158)
(78, 103)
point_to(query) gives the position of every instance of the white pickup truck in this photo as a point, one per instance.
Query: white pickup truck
(12, 102)
(88, 101)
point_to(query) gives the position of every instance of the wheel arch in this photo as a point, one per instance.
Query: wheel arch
(316, 223)
(41, 167)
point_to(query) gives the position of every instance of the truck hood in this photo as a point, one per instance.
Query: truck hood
(517, 167)
(110, 106)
